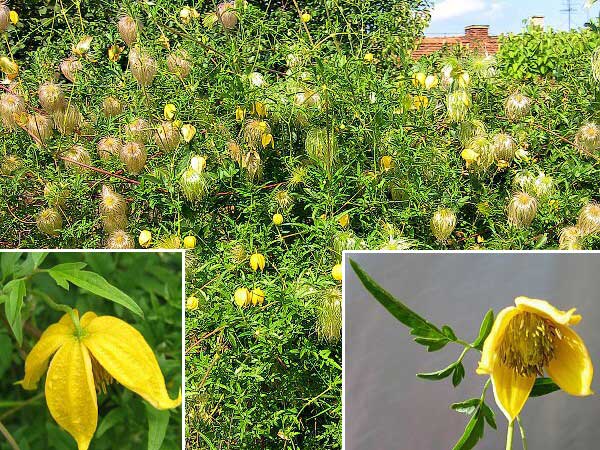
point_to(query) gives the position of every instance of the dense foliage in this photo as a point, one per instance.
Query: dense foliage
(152, 281)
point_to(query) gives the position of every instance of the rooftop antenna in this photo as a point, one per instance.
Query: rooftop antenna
(569, 10)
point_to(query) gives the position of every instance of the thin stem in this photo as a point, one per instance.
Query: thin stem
(11, 441)
(522, 430)
(509, 435)
(63, 308)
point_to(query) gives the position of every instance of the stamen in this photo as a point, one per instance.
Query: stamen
(102, 379)
(528, 344)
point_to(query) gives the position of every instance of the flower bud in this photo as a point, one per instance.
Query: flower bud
(133, 155)
(143, 67)
(188, 132)
(191, 303)
(9, 67)
(258, 296)
(128, 29)
(51, 97)
(77, 155)
(336, 272)
(277, 219)
(329, 314)
(49, 221)
(589, 219)
(39, 127)
(517, 106)
(521, 210)
(11, 107)
(443, 223)
(70, 67)
(179, 63)
(111, 107)
(227, 15)
(242, 297)
(119, 240)
(138, 130)
(257, 261)
(418, 79)
(166, 136)
(145, 238)
(570, 239)
(68, 120)
(587, 139)
(189, 242)
(109, 146)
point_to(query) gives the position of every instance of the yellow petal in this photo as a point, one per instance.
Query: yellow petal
(494, 339)
(511, 390)
(70, 392)
(170, 110)
(546, 310)
(14, 17)
(126, 355)
(37, 359)
(572, 367)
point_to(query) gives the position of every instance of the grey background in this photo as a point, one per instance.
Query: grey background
(388, 408)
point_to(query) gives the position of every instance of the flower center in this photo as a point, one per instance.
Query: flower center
(528, 344)
(102, 379)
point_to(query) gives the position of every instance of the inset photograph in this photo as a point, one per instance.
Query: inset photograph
(91, 350)
(471, 350)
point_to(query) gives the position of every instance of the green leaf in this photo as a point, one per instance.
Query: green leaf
(484, 330)
(114, 417)
(16, 291)
(489, 415)
(32, 262)
(543, 386)
(435, 338)
(449, 333)
(8, 262)
(440, 374)
(158, 421)
(467, 407)
(458, 375)
(92, 282)
(473, 432)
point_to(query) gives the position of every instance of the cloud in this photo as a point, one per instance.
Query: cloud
(451, 9)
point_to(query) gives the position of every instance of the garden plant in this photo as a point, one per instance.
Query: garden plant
(90, 358)
(266, 138)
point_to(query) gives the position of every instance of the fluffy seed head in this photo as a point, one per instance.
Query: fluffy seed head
(227, 15)
(482, 148)
(517, 106)
(457, 105)
(4, 16)
(113, 210)
(10, 163)
(70, 67)
(56, 194)
(596, 65)
(329, 315)
(570, 239)
(120, 239)
(51, 97)
(543, 186)
(111, 107)
(39, 127)
(587, 139)
(504, 147)
(133, 155)
(179, 63)
(443, 223)
(194, 184)
(283, 199)
(77, 154)
(109, 146)
(253, 165)
(143, 67)
(254, 130)
(166, 136)
(49, 221)
(138, 130)
(523, 181)
(589, 219)
(128, 29)
(169, 242)
(238, 253)
(235, 151)
(469, 129)
(68, 120)
(321, 146)
(521, 210)
(12, 107)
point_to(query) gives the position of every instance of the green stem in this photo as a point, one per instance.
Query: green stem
(522, 430)
(63, 308)
(509, 435)
(11, 441)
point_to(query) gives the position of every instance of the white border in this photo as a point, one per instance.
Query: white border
(408, 252)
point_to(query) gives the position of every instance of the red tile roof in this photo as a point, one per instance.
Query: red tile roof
(476, 38)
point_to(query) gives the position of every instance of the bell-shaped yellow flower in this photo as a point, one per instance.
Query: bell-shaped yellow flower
(84, 360)
(527, 339)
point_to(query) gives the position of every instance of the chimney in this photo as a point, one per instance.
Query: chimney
(537, 21)
(477, 32)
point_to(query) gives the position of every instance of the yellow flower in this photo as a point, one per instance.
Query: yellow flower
(431, 81)
(242, 297)
(188, 132)
(191, 303)
(85, 359)
(257, 261)
(83, 46)
(145, 238)
(387, 162)
(170, 110)
(240, 113)
(305, 17)
(419, 102)
(418, 79)
(369, 57)
(260, 108)
(527, 339)
(9, 67)
(189, 242)
(470, 156)
(114, 52)
(258, 296)
(267, 139)
(277, 219)
(344, 220)
(336, 272)
(14, 17)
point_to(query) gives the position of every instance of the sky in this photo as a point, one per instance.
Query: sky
(504, 16)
